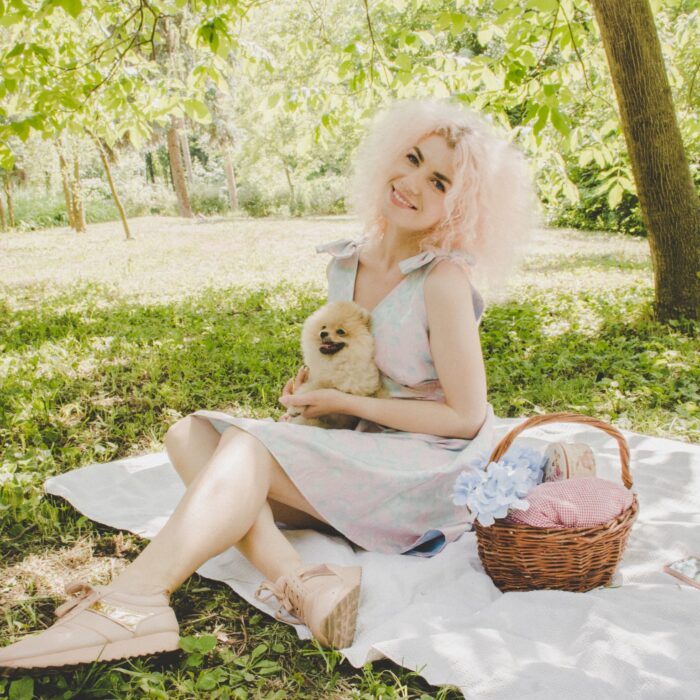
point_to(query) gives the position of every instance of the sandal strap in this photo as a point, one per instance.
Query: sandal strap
(83, 596)
(289, 591)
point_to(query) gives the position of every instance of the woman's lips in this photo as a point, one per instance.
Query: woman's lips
(399, 202)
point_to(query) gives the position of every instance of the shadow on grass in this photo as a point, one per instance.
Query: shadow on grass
(590, 263)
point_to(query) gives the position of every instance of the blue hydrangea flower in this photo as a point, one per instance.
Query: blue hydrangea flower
(490, 490)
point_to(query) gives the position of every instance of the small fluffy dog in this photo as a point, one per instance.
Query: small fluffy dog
(338, 349)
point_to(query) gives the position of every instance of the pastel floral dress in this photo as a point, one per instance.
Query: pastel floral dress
(386, 490)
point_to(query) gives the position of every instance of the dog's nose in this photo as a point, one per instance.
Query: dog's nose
(324, 335)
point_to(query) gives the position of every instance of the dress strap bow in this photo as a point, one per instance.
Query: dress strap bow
(417, 261)
(342, 248)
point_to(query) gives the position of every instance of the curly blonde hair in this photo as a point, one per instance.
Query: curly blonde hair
(490, 208)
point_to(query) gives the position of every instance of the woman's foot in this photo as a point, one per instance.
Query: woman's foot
(324, 597)
(98, 624)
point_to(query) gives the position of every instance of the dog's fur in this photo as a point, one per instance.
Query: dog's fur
(338, 349)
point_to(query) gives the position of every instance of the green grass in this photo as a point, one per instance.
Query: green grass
(104, 344)
(38, 210)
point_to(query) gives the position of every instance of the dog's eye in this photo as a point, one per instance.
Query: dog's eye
(340, 331)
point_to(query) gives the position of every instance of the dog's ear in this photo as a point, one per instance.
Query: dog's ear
(366, 317)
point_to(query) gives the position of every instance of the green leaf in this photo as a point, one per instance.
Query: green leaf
(10, 19)
(485, 35)
(21, 129)
(72, 7)
(585, 157)
(559, 121)
(542, 115)
(459, 22)
(207, 680)
(571, 192)
(23, 689)
(403, 61)
(258, 651)
(69, 101)
(197, 111)
(615, 196)
(542, 5)
(203, 643)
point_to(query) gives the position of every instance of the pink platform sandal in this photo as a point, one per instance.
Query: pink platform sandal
(323, 597)
(98, 624)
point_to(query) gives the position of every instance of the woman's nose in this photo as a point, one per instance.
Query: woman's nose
(409, 184)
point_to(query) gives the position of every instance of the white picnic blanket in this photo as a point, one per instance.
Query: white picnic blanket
(444, 618)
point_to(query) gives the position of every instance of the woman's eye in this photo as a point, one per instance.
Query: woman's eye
(439, 185)
(412, 158)
(340, 331)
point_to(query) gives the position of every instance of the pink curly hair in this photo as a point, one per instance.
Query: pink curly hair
(490, 208)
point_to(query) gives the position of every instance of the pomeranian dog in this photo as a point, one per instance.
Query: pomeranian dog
(338, 349)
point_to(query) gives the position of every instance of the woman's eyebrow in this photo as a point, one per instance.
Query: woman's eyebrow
(442, 177)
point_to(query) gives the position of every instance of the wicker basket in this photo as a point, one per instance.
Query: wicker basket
(520, 557)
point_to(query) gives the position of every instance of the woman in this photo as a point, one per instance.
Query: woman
(443, 201)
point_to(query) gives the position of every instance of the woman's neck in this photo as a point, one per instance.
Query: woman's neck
(393, 247)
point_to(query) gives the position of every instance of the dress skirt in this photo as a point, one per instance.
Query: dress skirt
(385, 491)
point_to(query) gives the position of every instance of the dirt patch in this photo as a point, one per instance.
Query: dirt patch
(46, 575)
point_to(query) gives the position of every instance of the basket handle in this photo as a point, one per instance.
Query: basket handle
(503, 446)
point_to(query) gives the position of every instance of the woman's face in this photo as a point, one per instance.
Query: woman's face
(418, 182)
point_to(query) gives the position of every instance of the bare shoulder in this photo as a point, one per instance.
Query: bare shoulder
(447, 280)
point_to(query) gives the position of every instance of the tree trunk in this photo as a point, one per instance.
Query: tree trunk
(77, 196)
(65, 179)
(231, 180)
(150, 170)
(292, 195)
(667, 197)
(177, 172)
(10, 204)
(185, 149)
(3, 222)
(113, 189)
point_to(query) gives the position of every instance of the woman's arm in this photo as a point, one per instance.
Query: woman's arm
(456, 351)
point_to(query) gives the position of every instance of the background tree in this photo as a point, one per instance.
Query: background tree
(669, 200)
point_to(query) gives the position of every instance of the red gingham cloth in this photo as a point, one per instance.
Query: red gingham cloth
(582, 502)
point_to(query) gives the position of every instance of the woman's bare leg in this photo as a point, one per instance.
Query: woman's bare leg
(190, 444)
(222, 504)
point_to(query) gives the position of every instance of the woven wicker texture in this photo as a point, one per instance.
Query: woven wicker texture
(523, 558)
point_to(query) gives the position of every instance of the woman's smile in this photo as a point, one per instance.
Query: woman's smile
(400, 200)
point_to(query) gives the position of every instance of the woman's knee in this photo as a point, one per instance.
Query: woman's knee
(178, 434)
(240, 450)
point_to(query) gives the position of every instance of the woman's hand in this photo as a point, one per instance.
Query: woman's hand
(318, 403)
(293, 384)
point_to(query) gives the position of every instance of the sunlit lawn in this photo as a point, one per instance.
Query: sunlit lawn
(104, 343)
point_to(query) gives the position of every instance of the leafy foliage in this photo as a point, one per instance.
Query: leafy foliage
(291, 84)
